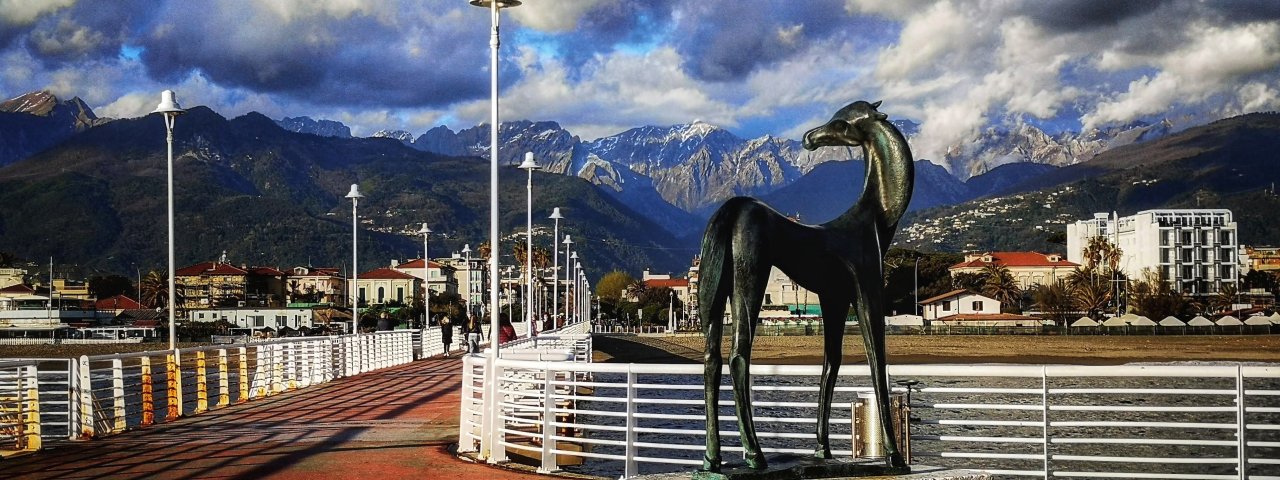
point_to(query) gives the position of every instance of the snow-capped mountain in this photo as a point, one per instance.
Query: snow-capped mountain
(323, 128)
(1023, 143)
(401, 135)
(35, 121)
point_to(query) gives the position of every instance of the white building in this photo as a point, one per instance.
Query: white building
(959, 302)
(1196, 251)
(275, 318)
(440, 278)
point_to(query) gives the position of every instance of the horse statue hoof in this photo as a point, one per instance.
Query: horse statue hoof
(822, 453)
(711, 465)
(756, 461)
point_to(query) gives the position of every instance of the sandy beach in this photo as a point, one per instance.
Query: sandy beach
(919, 349)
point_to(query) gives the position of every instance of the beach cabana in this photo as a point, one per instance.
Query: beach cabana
(1172, 321)
(1115, 322)
(1229, 321)
(1141, 321)
(1199, 321)
(1084, 322)
(1275, 318)
(1258, 320)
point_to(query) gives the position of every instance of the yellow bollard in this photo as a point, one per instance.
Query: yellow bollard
(32, 431)
(172, 379)
(148, 397)
(244, 375)
(224, 393)
(202, 384)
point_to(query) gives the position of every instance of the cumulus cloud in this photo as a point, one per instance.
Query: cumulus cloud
(601, 66)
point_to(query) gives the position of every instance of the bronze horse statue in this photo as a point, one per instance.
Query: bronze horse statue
(841, 261)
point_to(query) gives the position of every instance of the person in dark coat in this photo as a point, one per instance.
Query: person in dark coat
(506, 331)
(446, 334)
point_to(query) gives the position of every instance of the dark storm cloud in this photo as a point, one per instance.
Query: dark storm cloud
(725, 40)
(357, 60)
(84, 31)
(1084, 15)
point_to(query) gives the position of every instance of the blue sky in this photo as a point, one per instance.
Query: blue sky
(598, 67)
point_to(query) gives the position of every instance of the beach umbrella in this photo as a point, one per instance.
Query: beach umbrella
(1199, 321)
(1084, 322)
(1229, 321)
(1115, 322)
(1172, 321)
(1258, 320)
(1140, 321)
(1275, 318)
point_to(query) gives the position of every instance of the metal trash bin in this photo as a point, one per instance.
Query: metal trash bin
(868, 439)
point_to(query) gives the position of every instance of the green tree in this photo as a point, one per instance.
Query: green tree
(613, 284)
(968, 281)
(154, 291)
(998, 283)
(1153, 298)
(1054, 300)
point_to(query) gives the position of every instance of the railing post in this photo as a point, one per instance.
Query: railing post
(224, 384)
(497, 451)
(291, 365)
(87, 422)
(243, 377)
(202, 383)
(630, 468)
(1242, 431)
(548, 423)
(32, 429)
(117, 395)
(73, 399)
(260, 372)
(148, 392)
(173, 380)
(1044, 403)
(277, 368)
(466, 420)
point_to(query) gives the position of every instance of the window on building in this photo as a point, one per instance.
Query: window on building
(1186, 255)
(259, 321)
(1204, 236)
(1226, 255)
(1165, 238)
(1166, 255)
(946, 305)
(382, 293)
(1167, 273)
(361, 295)
(1224, 238)
(282, 321)
(1204, 272)
(1188, 272)
(1228, 272)
(1186, 238)
(400, 294)
(977, 305)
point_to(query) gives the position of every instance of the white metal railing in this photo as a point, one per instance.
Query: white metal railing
(1152, 421)
(19, 405)
(113, 393)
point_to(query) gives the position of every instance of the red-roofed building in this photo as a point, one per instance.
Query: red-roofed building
(117, 303)
(1028, 268)
(958, 302)
(386, 285)
(306, 285)
(221, 284)
(440, 277)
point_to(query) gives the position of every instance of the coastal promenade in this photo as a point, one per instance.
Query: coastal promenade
(392, 423)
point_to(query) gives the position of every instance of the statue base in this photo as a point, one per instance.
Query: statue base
(798, 467)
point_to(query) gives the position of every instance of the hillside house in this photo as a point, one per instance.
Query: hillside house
(1028, 268)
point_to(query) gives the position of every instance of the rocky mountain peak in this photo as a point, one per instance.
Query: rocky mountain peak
(401, 135)
(323, 128)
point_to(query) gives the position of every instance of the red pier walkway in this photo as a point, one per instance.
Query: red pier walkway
(393, 423)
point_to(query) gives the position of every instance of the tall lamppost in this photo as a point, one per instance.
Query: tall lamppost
(555, 268)
(355, 197)
(915, 308)
(529, 165)
(671, 312)
(576, 292)
(169, 109)
(466, 252)
(494, 6)
(568, 244)
(426, 277)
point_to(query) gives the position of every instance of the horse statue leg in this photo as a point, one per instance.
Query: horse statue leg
(711, 309)
(834, 312)
(749, 284)
(870, 302)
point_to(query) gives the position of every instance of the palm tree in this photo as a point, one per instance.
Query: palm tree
(1054, 300)
(1101, 254)
(154, 291)
(998, 283)
(1091, 296)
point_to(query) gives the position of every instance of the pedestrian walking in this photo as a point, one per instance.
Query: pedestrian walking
(446, 334)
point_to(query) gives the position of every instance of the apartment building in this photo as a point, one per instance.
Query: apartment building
(1196, 250)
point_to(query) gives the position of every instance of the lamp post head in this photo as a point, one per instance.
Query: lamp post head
(529, 163)
(568, 240)
(466, 249)
(555, 214)
(574, 255)
(355, 192)
(168, 104)
(501, 3)
(424, 230)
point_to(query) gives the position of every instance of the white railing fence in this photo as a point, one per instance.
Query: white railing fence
(115, 393)
(1157, 421)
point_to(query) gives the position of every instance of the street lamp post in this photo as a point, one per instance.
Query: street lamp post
(529, 165)
(355, 197)
(426, 277)
(568, 243)
(671, 313)
(466, 252)
(494, 42)
(915, 308)
(576, 291)
(555, 268)
(169, 109)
